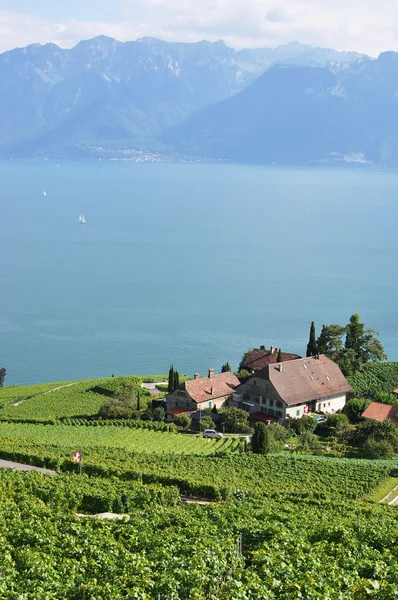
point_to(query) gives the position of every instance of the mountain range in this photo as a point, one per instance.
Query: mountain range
(105, 98)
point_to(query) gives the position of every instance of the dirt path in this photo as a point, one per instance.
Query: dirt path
(48, 392)
(7, 464)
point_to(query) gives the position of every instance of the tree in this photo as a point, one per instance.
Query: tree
(158, 414)
(351, 346)
(243, 360)
(3, 373)
(312, 349)
(170, 387)
(243, 375)
(176, 380)
(259, 438)
(385, 430)
(307, 440)
(234, 420)
(125, 392)
(330, 342)
(336, 419)
(182, 420)
(354, 409)
(138, 400)
(206, 423)
(226, 368)
(375, 448)
(306, 423)
(279, 357)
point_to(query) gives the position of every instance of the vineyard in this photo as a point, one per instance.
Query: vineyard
(249, 548)
(375, 377)
(54, 401)
(115, 436)
(278, 527)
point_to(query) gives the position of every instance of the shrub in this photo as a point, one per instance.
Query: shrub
(377, 448)
(182, 420)
(355, 407)
(336, 419)
(306, 423)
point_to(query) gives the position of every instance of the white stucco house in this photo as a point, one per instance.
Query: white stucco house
(293, 389)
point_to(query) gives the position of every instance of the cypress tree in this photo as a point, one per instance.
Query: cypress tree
(312, 349)
(138, 400)
(279, 357)
(259, 438)
(171, 380)
(176, 380)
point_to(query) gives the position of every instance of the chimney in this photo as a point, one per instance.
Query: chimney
(272, 349)
(276, 349)
(211, 373)
(280, 367)
(196, 376)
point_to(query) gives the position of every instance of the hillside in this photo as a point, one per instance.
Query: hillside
(302, 115)
(106, 98)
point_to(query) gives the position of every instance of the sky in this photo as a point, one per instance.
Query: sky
(362, 25)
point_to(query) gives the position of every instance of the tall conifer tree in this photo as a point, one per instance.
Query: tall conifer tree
(171, 380)
(312, 349)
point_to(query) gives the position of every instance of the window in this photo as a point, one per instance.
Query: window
(256, 399)
(263, 410)
(271, 412)
(210, 404)
(328, 403)
(263, 400)
(254, 382)
(297, 413)
(246, 396)
(279, 404)
(278, 414)
(271, 402)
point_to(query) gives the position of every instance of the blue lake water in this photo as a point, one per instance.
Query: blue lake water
(186, 264)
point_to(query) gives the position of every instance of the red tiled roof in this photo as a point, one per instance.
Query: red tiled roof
(206, 388)
(305, 379)
(178, 411)
(260, 358)
(381, 412)
(395, 391)
(259, 416)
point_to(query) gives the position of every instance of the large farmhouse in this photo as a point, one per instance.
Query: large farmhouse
(201, 392)
(293, 389)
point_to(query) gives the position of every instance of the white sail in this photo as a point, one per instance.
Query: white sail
(44, 193)
(82, 219)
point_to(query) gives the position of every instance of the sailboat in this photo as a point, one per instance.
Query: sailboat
(44, 193)
(82, 220)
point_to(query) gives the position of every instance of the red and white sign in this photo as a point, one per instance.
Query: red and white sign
(77, 457)
(305, 409)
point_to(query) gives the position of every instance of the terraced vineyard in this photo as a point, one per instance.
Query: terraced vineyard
(375, 377)
(53, 401)
(137, 440)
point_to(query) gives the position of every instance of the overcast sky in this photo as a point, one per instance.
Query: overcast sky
(362, 25)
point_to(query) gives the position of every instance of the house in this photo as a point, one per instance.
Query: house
(201, 392)
(293, 389)
(381, 412)
(258, 358)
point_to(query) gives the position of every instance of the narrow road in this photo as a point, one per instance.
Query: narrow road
(7, 464)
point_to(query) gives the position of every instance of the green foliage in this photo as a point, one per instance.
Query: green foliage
(234, 420)
(336, 419)
(57, 400)
(226, 368)
(373, 378)
(116, 436)
(385, 398)
(375, 448)
(243, 360)
(354, 409)
(243, 375)
(307, 440)
(159, 414)
(259, 439)
(306, 423)
(182, 420)
(206, 423)
(312, 349)
(279, 357)
(351, 346)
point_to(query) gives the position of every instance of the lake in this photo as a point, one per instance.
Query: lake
(189, 264)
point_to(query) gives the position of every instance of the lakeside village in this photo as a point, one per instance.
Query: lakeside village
(314, 404)
(340, 399)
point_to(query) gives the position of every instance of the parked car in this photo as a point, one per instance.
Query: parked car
(212, 433)
(320, 419)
